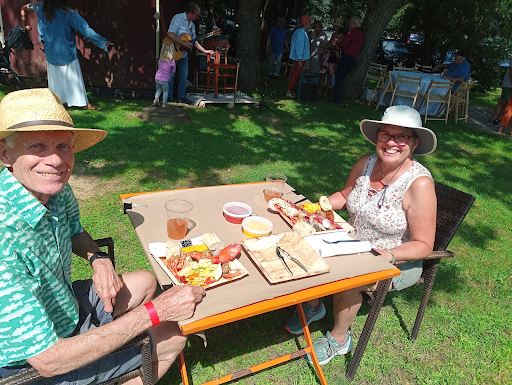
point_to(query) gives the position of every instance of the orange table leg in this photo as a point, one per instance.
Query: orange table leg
(309, 342)
(183, 369)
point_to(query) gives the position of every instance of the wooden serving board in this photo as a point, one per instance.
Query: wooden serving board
(262, 251)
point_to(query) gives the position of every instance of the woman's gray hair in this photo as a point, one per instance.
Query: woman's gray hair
(356, 20)
(10, 140)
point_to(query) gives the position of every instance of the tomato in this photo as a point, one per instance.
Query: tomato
(210, 280)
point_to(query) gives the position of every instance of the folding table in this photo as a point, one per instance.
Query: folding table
(253, 294)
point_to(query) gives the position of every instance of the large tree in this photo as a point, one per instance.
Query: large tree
(378, 15)
(248, 16)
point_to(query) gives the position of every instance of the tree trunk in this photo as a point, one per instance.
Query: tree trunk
(378, 15)
(248, 13)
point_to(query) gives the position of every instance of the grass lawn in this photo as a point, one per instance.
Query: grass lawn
(466, 335)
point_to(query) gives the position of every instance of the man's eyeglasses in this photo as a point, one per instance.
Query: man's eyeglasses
(401, 139)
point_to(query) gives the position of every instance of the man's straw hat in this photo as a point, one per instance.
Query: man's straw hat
(39, 109)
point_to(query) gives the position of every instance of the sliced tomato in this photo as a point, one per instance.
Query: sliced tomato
(210, 280)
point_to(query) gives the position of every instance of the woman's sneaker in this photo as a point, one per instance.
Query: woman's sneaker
(326, 348)
(494, 122)
(294, 326)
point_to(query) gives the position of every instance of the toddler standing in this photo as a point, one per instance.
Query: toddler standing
(166, 69)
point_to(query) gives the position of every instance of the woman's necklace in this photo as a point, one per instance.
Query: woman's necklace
(380, 202)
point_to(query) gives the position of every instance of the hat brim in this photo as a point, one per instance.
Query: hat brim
(427, 139)
(85, 137)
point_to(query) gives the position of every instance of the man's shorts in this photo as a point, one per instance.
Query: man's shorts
(92, 315)
(505, 93)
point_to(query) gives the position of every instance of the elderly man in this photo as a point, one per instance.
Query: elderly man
(299, 53)
(275, 42)
(350, 48)
(182, 24)
(55, 325)
(459, 71)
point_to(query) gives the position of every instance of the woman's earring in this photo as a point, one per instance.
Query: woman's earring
(410, 155)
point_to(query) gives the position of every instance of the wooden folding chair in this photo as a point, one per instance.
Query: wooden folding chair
(387, 87)
(399, 67)
(407, 87)
(437, 92)
(452, 207)
(288, 70)
(460, 98)
(382, 84)
(220, 74)
(30, 375)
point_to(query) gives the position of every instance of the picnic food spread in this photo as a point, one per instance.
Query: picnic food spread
(203, 264)
(306, 218)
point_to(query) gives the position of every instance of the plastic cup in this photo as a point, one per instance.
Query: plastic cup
(275, 185)
(178, 218)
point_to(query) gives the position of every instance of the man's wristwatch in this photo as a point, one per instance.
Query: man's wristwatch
(99, 254)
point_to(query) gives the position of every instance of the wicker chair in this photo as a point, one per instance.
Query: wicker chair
(31, 375)
(452, 207)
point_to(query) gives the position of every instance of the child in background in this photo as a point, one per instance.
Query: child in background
(166, 70)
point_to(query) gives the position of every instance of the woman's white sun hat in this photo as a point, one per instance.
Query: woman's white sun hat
(402, 116)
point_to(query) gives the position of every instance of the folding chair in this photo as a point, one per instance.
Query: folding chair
(30, 375)
(407, 87)
(437, 92)
(387, 87)
(452, 207)
(400, 68)
(460, 98)
(288, 70)
(384, 77)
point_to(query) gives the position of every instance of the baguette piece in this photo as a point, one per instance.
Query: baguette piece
(172, 249)
(212, 241)
(325, 204)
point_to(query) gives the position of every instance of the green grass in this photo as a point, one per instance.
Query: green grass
(488, 99)
(466, 333)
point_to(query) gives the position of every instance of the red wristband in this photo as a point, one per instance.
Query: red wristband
(152, 313)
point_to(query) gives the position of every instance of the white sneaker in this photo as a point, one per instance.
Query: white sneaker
(290, 94)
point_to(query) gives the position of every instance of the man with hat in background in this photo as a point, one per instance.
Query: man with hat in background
(459, 71)
(276, 40)
(350, 48)
(299, 53)
(48, 322)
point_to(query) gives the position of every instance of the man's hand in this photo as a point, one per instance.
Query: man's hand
(210, 52)
(178, 303)
(28, 27)
(106, 282)
(187, 44)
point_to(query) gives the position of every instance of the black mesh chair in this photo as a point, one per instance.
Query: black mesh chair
(30, 375)
(452, 207)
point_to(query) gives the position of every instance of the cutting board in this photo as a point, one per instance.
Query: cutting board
(337, 219)
(262, 251)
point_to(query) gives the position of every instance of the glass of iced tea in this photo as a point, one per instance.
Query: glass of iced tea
(275, 184)
(178, 216)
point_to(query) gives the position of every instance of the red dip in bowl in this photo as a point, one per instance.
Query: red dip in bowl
(235, 212)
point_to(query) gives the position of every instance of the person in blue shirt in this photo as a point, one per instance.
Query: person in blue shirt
(299, 53)
(57, 24)
(458, 71)
(275, 42)
(183, 24)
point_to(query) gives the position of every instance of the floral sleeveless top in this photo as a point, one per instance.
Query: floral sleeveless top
(385, 227)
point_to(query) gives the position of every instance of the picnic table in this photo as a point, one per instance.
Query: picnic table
(426, 78)
(253, 294)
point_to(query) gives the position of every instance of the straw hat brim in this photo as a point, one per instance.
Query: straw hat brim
(85, 137)
(427, 139)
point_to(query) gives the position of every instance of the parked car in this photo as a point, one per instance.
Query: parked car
(392, 52)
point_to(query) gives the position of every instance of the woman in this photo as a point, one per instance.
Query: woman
(392, 204)
(317, 41)
(57, 24)
(330, 57)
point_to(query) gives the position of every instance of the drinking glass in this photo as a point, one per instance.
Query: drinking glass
(178, 218)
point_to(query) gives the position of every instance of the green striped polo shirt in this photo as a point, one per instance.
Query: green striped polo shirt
(37, 303)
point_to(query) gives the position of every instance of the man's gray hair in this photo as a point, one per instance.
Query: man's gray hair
(10, 140)
(356, 20)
